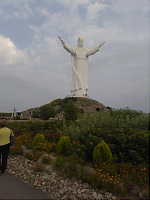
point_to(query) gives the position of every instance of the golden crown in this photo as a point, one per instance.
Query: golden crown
(80, 38)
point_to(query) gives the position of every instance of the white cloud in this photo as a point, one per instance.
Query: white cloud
(93, 11)
(123, 7)
(18, 9)
(74, 3)
(42, 11)
(9, 54)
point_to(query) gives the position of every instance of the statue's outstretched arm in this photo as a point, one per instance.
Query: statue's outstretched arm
(62, 40)
(94, 50)
(69, 48)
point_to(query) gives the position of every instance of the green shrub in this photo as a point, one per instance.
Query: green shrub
(36, 114)
(59, 164)
(102, 153)
(39, 138)
(45, 146)
(16, 150)
(47, 111)
(55, 102)
(46, 160)
(51, 135)
(71, 111)
(38, 167)
(63, 145)
(33, 156)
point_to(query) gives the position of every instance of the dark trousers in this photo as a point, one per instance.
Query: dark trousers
(4, 151)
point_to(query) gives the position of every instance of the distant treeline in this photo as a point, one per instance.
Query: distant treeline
(5, 114)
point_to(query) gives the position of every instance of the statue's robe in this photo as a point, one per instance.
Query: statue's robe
(79, 61)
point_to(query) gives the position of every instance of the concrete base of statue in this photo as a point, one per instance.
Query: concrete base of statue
(81, 96)
(76, 96)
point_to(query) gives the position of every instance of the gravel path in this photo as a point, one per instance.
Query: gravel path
(52, 184)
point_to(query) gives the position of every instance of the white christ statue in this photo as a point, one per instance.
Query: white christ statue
(79, 61)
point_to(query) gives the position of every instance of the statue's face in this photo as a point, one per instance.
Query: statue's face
(80, 41)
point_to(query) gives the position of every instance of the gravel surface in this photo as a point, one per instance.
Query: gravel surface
(51, 183)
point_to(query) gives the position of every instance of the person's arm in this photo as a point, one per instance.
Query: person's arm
(94, 50)
(11, 132)
(69, 48)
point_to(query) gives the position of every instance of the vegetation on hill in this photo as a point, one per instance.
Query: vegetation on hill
(125, 131)
(127, 137)
(82, 105)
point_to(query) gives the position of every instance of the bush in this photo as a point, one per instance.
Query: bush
(55, 102)
(59, 164)
(51, 136)
(36, 114)
(25, 140)
(97, 109)
(63, 145)
(47, 111)
(33, 156)
(46, 146)
(38, 167)
(16, 150)
(102, 153)
(46, 160)
(39, 138)
(71, 111)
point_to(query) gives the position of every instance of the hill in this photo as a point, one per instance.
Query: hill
(85, 105)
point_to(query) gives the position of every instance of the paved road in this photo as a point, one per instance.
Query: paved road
(13, 188)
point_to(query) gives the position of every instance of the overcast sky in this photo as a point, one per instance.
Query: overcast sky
(35, 69)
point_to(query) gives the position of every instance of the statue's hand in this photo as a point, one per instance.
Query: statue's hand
(102, 43)
(63, 41)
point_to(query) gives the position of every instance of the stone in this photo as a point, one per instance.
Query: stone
(79, 195)
(91, 197)
(87, 192)
(39, 182)
(69, 188)
(99, 196)
(89, 170)
(64, 197)
(144, 194)
(85, 185)
(80, 181)
(85, 196)
(51, 183)
(60, 186)
(61, 181)
(108, 196)
(74, 179)
(72, 197)
(61, 191)
(95, 195)
(104, 198)
(83, 190)
(25, 150)
(58, 195)
(74, 192)
(113, 198)
(134, 190)
(43, 183)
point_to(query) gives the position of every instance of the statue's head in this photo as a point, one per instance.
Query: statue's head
(80, 41)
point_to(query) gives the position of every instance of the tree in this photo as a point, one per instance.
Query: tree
(47, 111)
(70, 111)
(36, 114)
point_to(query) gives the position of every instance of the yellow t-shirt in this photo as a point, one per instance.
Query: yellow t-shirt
(4, 136)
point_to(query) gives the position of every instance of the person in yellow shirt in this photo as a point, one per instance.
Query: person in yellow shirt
(4, 145)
